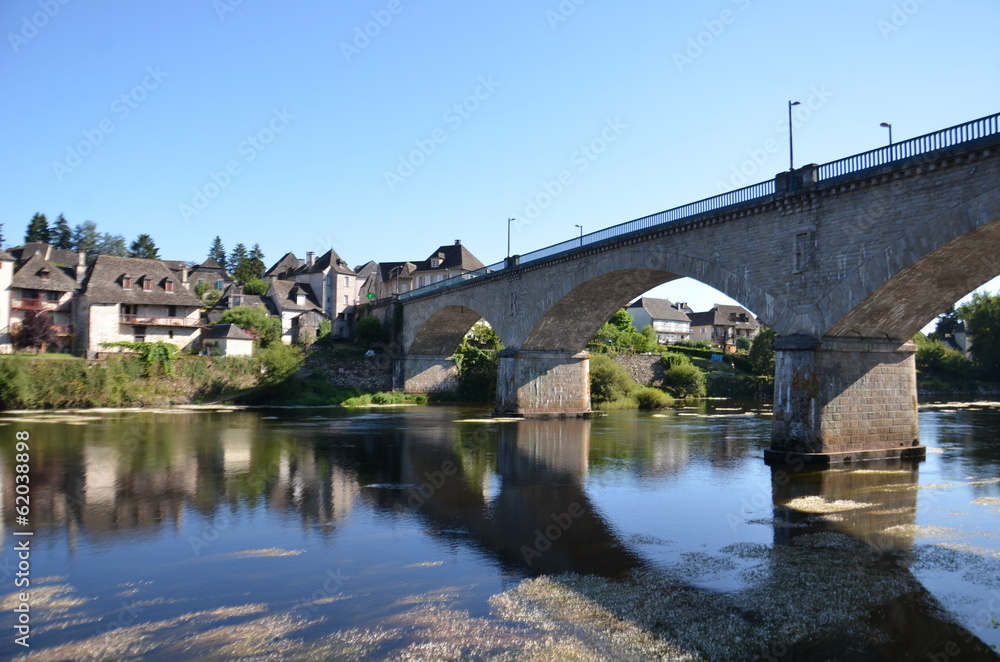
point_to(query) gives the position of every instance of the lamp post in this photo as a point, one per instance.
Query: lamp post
(888, 126)
(791, 151)
(509, 221)
(581, 233)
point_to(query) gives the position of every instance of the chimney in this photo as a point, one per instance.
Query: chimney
(81, 266)
(310, 259)
(458, 242)
(184, 276)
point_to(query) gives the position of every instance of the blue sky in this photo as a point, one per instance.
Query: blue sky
(386, 128)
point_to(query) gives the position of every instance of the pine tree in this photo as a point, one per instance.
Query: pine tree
(61, 236)
(218, 251)
(112, 244)
(38, 229)
(1, 235)
(236, 257)
(256, 253)
(85, 238)
(144, 247)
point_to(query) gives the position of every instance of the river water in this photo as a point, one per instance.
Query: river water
(437, 533)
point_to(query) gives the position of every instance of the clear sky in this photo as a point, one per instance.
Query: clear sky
(385, 128)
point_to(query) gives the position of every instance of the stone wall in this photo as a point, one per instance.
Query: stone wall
(543, 383)
(365, 374)
(646, 369)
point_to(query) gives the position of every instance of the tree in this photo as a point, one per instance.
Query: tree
(255, 321)
(38, 229)
(256, 253)
(370, 332)
(218, 252)
(982, 323)
(238, 255)
(112, 244)
(248, 270)
(761, 354)
(477, 361)
(947, 322)
(144, 247)
(61, 236)
(200, 288)
(1, 235)
(85, 238)
(256, 287)
(35, 332)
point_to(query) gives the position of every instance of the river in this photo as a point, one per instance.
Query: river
(437, 533)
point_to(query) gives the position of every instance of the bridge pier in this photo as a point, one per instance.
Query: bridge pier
(428, 373)
(543, 383)
(843, 400)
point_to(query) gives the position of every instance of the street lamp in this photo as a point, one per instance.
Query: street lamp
(509, 221)
(791, 152)
(581, 233)
(888, 126)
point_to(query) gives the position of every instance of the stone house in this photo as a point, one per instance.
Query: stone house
(6, 277)
(38, 286)
(210, 274)
(393, 278)
(135, 299)
(226, 340)
(723, 325)
(333, 284)
(289, 300)
(669, 321)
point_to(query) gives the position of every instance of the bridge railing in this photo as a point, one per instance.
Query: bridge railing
(646, 222)
(950, 137)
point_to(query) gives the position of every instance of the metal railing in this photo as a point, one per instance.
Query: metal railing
(34, 304)
(144, 320)
(950, 137)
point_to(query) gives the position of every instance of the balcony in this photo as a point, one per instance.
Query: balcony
(34, 304)
(143, 320)
(63, 329)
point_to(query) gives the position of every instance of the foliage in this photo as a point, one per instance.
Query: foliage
(218, 252)
(671, 359)
(212, 296)
(743, 343)
(85, 238)
(38, 229)
(370, 332)
(14, 383)
(249, 269)
(762, 352)
(60, 236)
(306, 339)
(700, 344)
(200, 288)
(652, 340)
(34, 332)
(610, 382)
(686, 380)
(256, 253)
(982, 324)
(619, 336)
(652, 398)
(325, 327)
(266, 330)
(256, 287)
(946, 324)
(936, 357)
(144, 247)
(279, 362)
(152, 355)
(237, 256)
(111, 244)
(477, 360)
(382, 398)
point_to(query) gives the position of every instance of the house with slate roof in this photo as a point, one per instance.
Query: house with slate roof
(210, 274)
(289, 300)
(37, 287)
(393, 278)
(226, 340)
(669, 321)
(332, 282)
(6, 276)
(233, 297)
(723, 325)
(135, 299)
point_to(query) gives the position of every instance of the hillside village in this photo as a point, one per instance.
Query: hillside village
(90, 301)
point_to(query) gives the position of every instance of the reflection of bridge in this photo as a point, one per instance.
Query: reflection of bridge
(846, 261)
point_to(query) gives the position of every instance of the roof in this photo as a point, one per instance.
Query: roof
(62, 256)
(288, 262)
(30, 276)
(105, 284)
(721, 315)
(391, 270)
(660, 309)
(366, 269)
(284, 295)
(210, 263)
(329, 260)
(4, 255)
(222, 305)
(455, 256)
(228, 331)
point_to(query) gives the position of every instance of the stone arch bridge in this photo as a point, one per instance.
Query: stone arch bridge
(846, 261)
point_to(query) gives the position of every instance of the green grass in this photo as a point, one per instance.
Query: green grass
(383, 398)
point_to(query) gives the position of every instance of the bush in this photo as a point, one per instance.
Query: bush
(609, 381)
(652, 398)
(743, 343)
(936, 357)
(761, 356)
(279, 362)
(698, 344)
(671, 359)
(256, 287)
(370, 332)
(685, 380)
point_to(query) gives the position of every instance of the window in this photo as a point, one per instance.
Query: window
(435, 263)
(201, 281)
(171, 312)
(44, 273)
(218, 284)
(170, 333)
(52, 296)
(169, 286)
(421, 281)
(126, 283)
(140, 334)
(345, 299)
(345, 281)
(147, 285)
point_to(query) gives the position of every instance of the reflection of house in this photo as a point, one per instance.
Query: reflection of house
(134, 299)
(6, 276)
(670, 323)
(397, 277)
(333, 283)
(38, 286)
(723, 325)
(227, 340)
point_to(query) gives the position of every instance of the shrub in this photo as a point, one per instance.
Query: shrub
(743, 343)
(609, 381)
(685, 380)
(934, 356)
(369, 332)
(761, 356)
(256, 287)
(671, 359)
(652, 398)
(279, 362)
